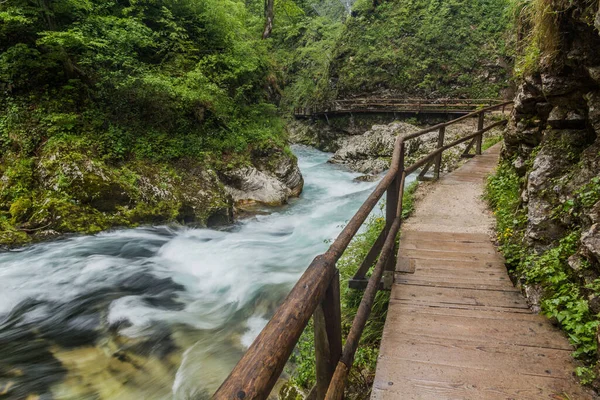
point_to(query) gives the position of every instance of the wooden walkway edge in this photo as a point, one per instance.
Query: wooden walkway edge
(456, 327)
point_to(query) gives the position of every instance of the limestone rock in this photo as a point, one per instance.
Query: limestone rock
(563, 118)
(371, 152)
(287, 171)
(248, 185)
(593, 103)
(527, 97)
(557, 85)
(272, 181)
(367, 178)
(591, 241)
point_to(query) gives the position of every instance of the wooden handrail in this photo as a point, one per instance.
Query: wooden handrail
(365, 105)
(259, 368)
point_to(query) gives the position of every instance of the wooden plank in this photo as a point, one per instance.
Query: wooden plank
(459, 265)
(450, 255)
(539, 361)
(459, 247)
(466, 326)
(493, 316)
(472, 276)
(423, 381)
(457, 283)
(442, 306)
(405, 265)
(425, 295)
(446, 236)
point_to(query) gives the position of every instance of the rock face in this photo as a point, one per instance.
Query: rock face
(315, 134)
(553, 142)
(330, 135)
(557, 112)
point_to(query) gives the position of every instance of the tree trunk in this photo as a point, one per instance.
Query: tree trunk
(269, 16)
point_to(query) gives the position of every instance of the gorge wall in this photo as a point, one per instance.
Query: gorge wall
(546, 194)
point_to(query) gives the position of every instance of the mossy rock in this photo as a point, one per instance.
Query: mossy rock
(20, 209)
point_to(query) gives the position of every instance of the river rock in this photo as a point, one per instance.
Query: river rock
(248, 185)
(367, 178)
(271, 180)
(371, 152)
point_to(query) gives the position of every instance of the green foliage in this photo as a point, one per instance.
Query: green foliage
(95, 91)
(564, 297)
(491, 140)
(537, 26)
(363, 371)
(143, 80)
(503, 192)
(304, 51)
(583, 198)
(405, 46)
(586, 375)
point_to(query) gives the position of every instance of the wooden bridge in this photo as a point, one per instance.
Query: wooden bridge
(456, 327)
(404, 106)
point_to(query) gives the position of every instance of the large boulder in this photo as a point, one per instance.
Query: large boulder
(271, 179)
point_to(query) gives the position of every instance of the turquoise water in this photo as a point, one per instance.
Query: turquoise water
(160, 312)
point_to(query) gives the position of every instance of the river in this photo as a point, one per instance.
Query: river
(160, 312)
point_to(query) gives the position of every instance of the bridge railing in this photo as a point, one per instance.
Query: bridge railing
(358, 105)
(317, 292)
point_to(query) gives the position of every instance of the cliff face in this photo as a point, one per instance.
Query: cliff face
(553, 150)
(555, 125)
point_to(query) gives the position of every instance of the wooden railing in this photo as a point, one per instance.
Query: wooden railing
(317, 293)
(378, 105)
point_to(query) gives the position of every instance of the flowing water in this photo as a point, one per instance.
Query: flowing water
(160, 312)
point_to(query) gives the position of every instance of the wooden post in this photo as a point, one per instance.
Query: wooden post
(328, 336)
(480, 124)
(390, 214)
(438, 159)
(394, 203)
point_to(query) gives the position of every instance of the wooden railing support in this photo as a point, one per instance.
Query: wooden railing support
(480, 124)
(438, 159)
(372, 255)
(328, 336)
(391, 206)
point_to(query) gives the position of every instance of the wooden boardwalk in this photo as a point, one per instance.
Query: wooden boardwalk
(456, 326)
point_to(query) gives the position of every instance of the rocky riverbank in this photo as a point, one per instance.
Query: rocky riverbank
(370, 152)
(67, 189)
